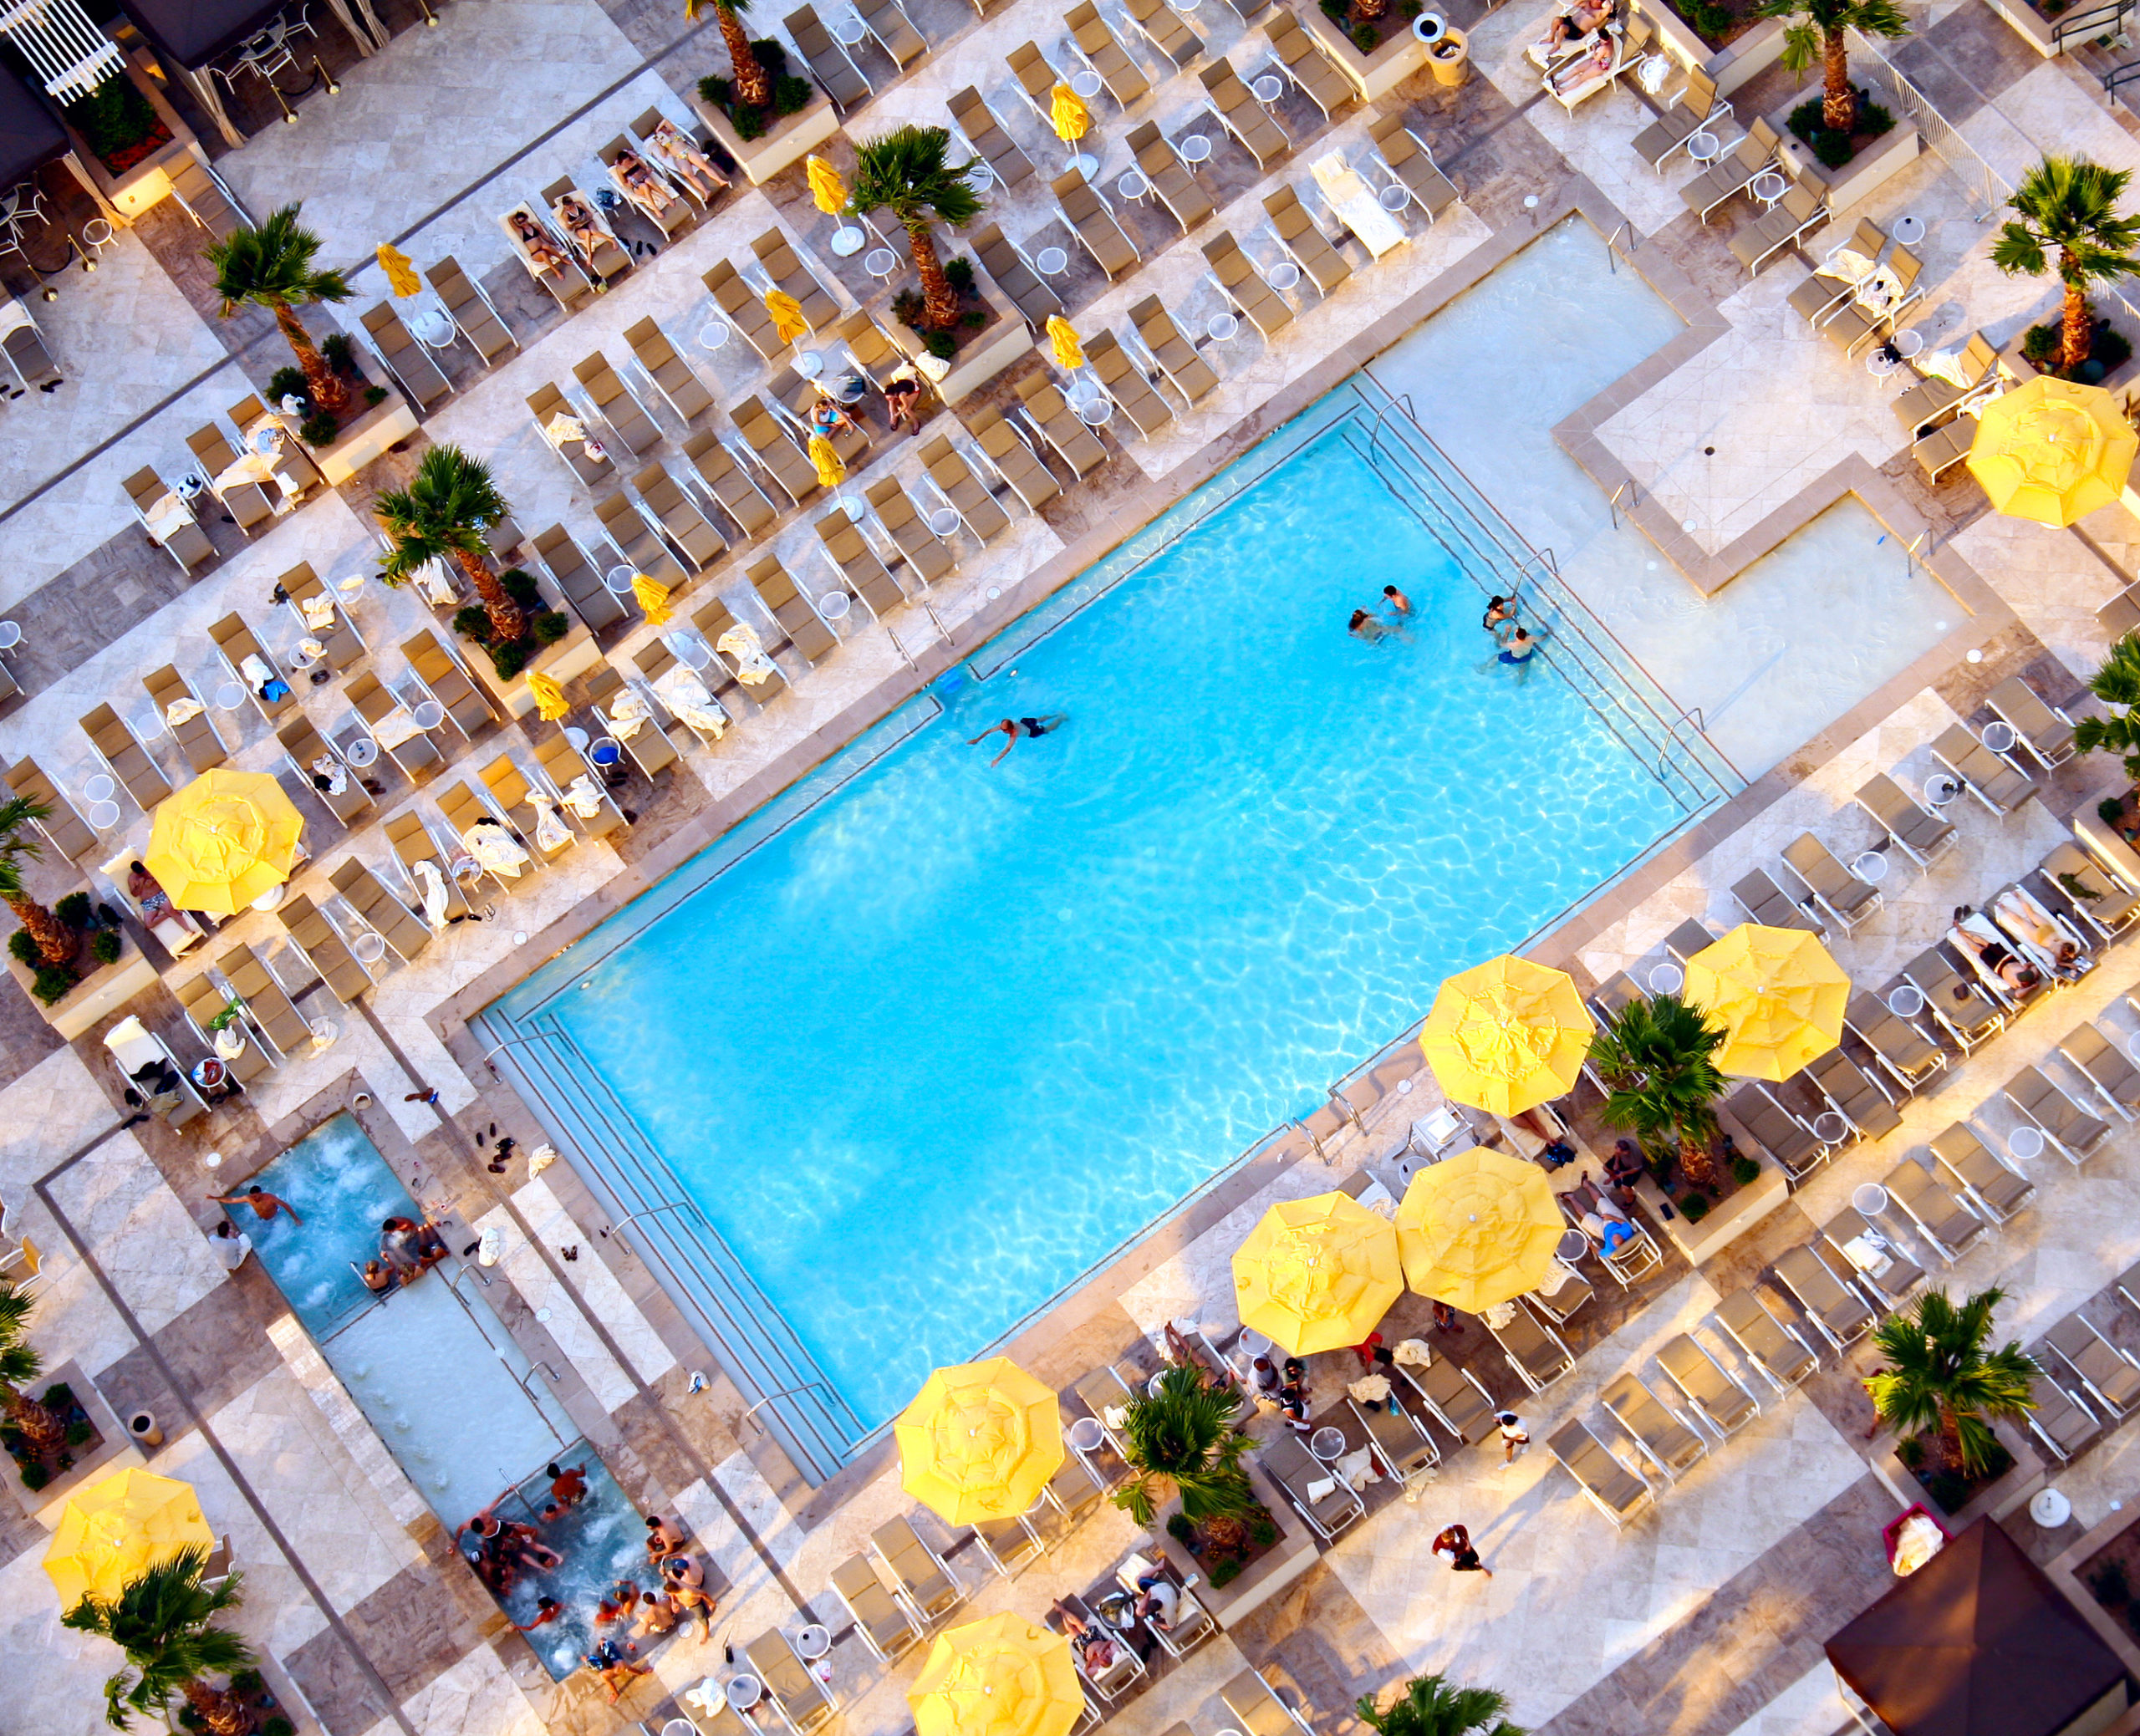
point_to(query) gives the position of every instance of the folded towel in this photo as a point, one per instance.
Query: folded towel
(394, 729)
(312, 649)
(319, 611)
(183, 710)
(1320, 1488)
(1370, 1389)
(753, 666)
(1412, 1353)
(254, 670)
(540, 1159)
(1357, 1469)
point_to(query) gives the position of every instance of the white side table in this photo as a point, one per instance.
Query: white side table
(1667, 978)
(1050, 261)
(1704, 147)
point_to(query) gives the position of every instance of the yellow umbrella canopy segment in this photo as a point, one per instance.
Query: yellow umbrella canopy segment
(116, 1530)
(1776, 995)
(979, 1441)
(827, 189)
(1317, 1274)
(1507, 1035)
(1477, 1229)
(223, 840)
(2053, 450)
(1000, 1676)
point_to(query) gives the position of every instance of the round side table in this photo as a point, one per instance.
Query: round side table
(1134, 185)
(1268, 88)
(1999, 737)
(427, 715)
(1328, 1444)
(1704, 147)
(618, 580)
(1222, 327)
(98, 788)
(1870, 865)
(1086, 1434)
(1870, 1199)
(1906, 1001)
(230, 696)
(1393, 198)
(103, 815)
(1830, 1128)
(834, 605)
(11, 634)
(1050, 261)
(944, 522)
(880, 262)
(713, 335)
(1196, 151)
(1284, 275)
(1085, 84)
(2025, 1143)
(1908, 231)
(1666, 978)
(369, 948)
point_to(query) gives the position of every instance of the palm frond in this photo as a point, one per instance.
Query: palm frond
(1433, 1706)
(273, 266)
(906, 172)
(449, 503)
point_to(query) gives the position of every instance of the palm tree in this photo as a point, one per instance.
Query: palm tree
(1430, 1706)
(164, 1622)
(903, 172)
(2069, 206)
(1819, 35)
(271, 267)
(1180, 1441)
(55, 945)
(19, 1366)
(1937, 1378)
(753, 88)
(441, 515)
(1658, 1058)
(2117, 683)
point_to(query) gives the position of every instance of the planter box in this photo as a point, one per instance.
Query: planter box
(1857, 180)
(1007, 340)
(1995, 1500)
(1264, 1578)
(2034, 28)
(117, 1453)
(574, 654)
(2108, 848)
(790, 138)
(1731, 66)
(97, 997)
(148, 182)
(1375, 75)
(384, 426)
(1739, 1212)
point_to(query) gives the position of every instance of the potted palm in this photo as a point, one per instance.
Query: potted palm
(64, 956)
(907, 172)
(43, 1431)
(1816, 30)
(1434, 1706)
(1181, 1445)
(2067, 213)
(1940, 1386)
(764, 116)
(1658, 1058)
(164, 1623)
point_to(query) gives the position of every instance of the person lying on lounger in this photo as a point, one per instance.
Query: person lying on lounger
(640, 185)
(1593, 66)
(680, 151)
(2002, 960)
(543, 253)
(1572, 26)
(582, 225)
(2028, 923)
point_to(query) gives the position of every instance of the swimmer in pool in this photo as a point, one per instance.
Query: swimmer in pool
(1014, 728)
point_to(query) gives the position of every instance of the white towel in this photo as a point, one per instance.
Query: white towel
(229, 1040)
(431, 887)
(1357, 1467)
(1846, 265)
(1320, 1487)
(1880, 291)
(753, 666)
(562, 428)
(1370, 1389)
(1412, 1353)
(495, 849)
(684, 694)
(1653, 72)
(583, 797)
(628, 714)
(433, 584)
(1946, 365)
(312, 649)
(183, 710)
(491, 1246)
(319, 612)
(551, 831)
(540, 1159)
(254, 670)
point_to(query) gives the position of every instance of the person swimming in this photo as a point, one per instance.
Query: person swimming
(1015, 727)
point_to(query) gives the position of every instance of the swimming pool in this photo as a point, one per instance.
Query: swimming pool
(922, 1042)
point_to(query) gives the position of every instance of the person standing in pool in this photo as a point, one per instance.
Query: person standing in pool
(1517, 651)
(1400, 605)
(260, 1200)
(1014, 727)
(1498, 610)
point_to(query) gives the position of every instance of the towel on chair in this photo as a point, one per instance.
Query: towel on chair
(1946, 365)
(1412, 1353)
(319, 612)
(629, 711)
(432, 890)
(183, 710)
(753, 666)
(1846, 265)
(684, 694)
(551, 831)
(582, 797)
(495, 849)
(1321, 1487)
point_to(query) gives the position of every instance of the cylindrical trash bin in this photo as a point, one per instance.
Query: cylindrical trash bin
(1449, 60)
(142, 1426)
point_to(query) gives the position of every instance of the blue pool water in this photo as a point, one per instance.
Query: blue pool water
(927, 1039)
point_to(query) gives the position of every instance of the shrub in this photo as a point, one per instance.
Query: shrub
(58, 1396)
(1409, 10)
(940, 345)
(52, 983)
(73, 910)
(790, 96)
(772, 56)
(550, 626)
(906, 308)
(473, 622)
(375, 396)
(113, 116)
(22, 949)
(509, 660)
(35, 1476)
(107, 916)
(278, 1726)
(2111, 810)
(2112, 348)
(715, 90)
(335, 347)
(1262, 1530)
(1365, 38)
(79, 1433)
(104, 947)
(247, 1682)
(2051, 9)
(1335, 10)
(1831, 149)
(1805, 121)
(1745, 1171)
(283, 381)
(749, 123)
(1694, 1206)
(959, 271)
(1179, 1529)
(973, 320)
(1223, 1573)
(1873, 121)
(318, 431)
(1710, 19)
(520, 585)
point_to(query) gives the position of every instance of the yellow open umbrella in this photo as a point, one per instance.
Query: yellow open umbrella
(1317, 1274)
(1777, 995)
(653, 596)
(831, 473)
(1063, 337)
(826, 186)
(550, 701)
(979, 1442)
(1507, 1034)
(1000, 1676)
(400, 275)
(114, 1530)
(1068, 111)
(1477, 1229)
(223, 840)
(787, 315)
(2052, 451)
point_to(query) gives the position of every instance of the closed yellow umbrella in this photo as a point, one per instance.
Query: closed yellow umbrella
(116, 1530)
(400, 274)
(1507, 1034)
(979, 1442)
(550, 701)
(1063, 337)
(826, 186)
(1777, 995)
(2052, 451)
(1067, 109)
(1477, 1229)
(653, 596)
(787, 315)
(223, 840)
(1000, 1675)
(831, 473)
(1317, 1274)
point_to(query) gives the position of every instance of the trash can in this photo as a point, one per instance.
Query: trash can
(142, 1426)
(1449, 59)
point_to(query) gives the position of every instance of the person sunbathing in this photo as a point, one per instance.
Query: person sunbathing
(1095, 1650)
(543, 253)
(582, 225)
(1592, 67)
(2001, 959)
(640, 185)
(680, 151)
(2032, 928)
(1577, 22)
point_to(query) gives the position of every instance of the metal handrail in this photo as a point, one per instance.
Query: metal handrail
(2088, 23)
(2118, 77)
(1628, 229)
(751, 1415)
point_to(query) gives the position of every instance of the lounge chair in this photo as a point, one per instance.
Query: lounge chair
(415, 757)
(1770, 1345)
(134, 1048)
(987, 139)
(1161, 26)
(829, 63)
(648, 745)
(774, 448)
(1800, 212)
(776, 254)
(1920, 409)
(445, 680)
(2047, 730)
(1035, 79)
(1854, 1094)
(798, 624)
(463, 810)
(665, 205)
(1948, 1227)
(749, 507)
(268, 1003)
(1687, 938)
(1120, 76)
(1241, 115)
(744, 309)
(323, 948)
(2128, 1287)
(637, 545)
(656, 661)
(1399, 1439)
(1908, 1056)
(1244, 287)
(64, 828)
(799, 1699)
(247, 502)
(1049, 415)
(1993, 1187)
(1615, 1490)
(1922, 837)
(237, 644)
(1839, 893)
(1192, 1623)
(1768, 903)
(1310, 71)
(1008, 1545)
(1830, 286)
(1092, 219)
(878, 1617)
(1695, 107)
(125, 757)
(1534, 1349)
(1943, 448)
(689, 531)
(1562, 1304)
(1665, 1440)
(1869, 1258)
(307, 749)
(1076, 1488)
(1012, 460)
(195, 735)
(2073, 881)
(919, 1579)
(406, 360)
(711, 623)
(412, 843)
(610, 261)
(1029, 293)
(1716, 1395)
(1190, 374)
(1797, 1149)
(202, 1001)
(861, 571)
(1837, 1312)
(1123, 382)
(1256, 1707)
(2110, 1375)
(204, 197)
(546, 404)
(1455, 1399)
(629, 425)
(1731, 175)
(926, 555)
(562, 766)
(558, 552)
(470, 310)
(570, 285)
(1410, 164)
(893, 31)
(340, 638)
(2106, 1068)
(180, 536)
(1959, 1006)
(1304, 245)
(1124, 1668)
(1161, 165)
(1319, 1494)
(2063, 1121)
(2063, 1422)
(510, 790)
(849, 442)
(390, 918)
(1859, 320)
(672, 376)
(963, 491)
(1997, 785)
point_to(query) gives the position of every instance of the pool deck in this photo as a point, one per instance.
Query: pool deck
(1705, 1617)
